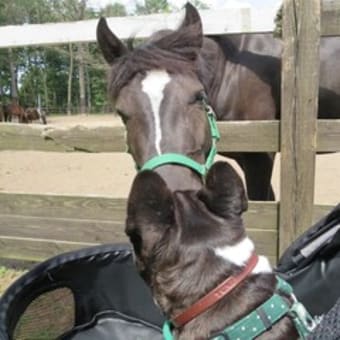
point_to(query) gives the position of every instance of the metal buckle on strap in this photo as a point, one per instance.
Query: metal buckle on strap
(302, 319)
(215, 134)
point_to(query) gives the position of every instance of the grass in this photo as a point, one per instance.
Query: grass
(47, 316)
(8, 276)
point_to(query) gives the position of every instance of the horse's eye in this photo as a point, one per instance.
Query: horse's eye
(197, 97)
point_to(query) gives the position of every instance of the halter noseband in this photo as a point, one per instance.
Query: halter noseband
(176, 158)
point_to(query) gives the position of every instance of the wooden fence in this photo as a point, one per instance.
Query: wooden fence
(33, 227)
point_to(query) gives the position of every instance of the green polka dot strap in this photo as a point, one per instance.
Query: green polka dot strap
(258, 321)
(264, 317)
(270, 312)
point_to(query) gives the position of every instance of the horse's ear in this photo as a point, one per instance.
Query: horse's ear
(224, 193)
(188, 38)
(150, 212)
(110, 45)
(191, 16)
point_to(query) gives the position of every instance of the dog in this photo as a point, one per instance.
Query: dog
(187, 243)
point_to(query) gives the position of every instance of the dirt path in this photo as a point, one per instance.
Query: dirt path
(111, 174)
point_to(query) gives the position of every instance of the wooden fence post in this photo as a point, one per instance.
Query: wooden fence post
(299, 100)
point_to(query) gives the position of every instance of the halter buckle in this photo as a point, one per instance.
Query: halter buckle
(301, 317)
(213, 124)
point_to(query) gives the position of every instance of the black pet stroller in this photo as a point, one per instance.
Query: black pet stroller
(89, 294)
(97, 294)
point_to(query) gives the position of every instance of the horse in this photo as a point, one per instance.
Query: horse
(158, 89)
(13, 109)
(24, 116)
(192, 250)
(33, 113)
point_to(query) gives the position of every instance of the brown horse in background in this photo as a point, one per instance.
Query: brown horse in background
(13, 110)
(33, 113)
(25, 116)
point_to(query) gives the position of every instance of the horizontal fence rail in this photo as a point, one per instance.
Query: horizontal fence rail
(232, 20)
(35, 227)
(238, 136)
(214, 22)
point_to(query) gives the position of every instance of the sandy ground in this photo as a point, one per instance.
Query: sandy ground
(111, 174)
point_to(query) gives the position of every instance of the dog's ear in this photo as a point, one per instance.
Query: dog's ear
(224, 193)
(150, 212)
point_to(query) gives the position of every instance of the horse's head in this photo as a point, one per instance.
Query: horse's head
(158, 94)
(176, 235)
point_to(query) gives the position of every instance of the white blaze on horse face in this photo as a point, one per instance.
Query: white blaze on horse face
(153, 85)
(240, 253)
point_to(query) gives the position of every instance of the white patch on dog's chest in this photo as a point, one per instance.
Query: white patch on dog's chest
(153, 85)
(240, 253)
(263, 266)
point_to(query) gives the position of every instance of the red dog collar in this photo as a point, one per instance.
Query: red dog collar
(215, 295)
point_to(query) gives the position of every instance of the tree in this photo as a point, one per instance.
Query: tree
(69, 81)
(114, 10)
(18, 12)
(81, 64)
(199, 4)
(153, 6)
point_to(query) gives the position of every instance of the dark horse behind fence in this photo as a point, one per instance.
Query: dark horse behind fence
(158, 89)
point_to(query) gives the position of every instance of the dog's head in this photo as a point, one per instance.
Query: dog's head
(175, 234)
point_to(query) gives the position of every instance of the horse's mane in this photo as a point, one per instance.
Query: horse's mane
(149, 56)
(227, 45)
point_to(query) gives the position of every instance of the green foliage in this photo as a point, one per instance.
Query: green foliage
(278, 23)
(7, 276)
(199, 4)
(18, 12)
(5, 77)
(114, 10)
(153, 6)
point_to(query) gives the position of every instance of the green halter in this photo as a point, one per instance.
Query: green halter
(176, 158)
